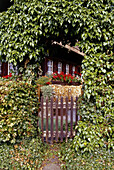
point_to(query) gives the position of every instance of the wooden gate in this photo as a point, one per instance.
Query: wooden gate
(57, 119)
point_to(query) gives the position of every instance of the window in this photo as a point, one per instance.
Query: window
(67, 68)
(59, 67)
(73, 70)
(50, 67)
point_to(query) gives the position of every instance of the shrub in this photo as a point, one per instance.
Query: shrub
(44, 80)
(47, 91)
(18, 106)
(27, 154)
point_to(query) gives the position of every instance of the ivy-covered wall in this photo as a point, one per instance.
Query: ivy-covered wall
(27, 27)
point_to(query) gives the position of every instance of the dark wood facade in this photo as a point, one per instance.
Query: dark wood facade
(69, 58)
(62, 55)
(3, 69)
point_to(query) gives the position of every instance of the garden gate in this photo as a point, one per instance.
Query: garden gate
(58, 118)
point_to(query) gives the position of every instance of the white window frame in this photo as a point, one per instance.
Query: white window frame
(50, 67)
(73, 70)
(67, 68)
(59, 67)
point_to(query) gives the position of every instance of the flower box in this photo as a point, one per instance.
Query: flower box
(66, 83)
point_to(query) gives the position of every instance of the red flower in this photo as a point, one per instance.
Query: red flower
(56, 72)
(65, 75)
(54, 77)
(64, 79)
(10, 75)
(48, 83)
(75, 72)
(80, 74)
(72, 77)
(62, 73)
(5, 76)
(59, 76)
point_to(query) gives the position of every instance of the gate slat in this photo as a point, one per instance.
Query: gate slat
(61, 119)
(42, 107)
(47, 120)
(76, 111)
(57, 119)
(66, 118)
(71, 127)
(51, 119)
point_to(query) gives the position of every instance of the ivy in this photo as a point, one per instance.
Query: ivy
(18, 107)
(28, 26)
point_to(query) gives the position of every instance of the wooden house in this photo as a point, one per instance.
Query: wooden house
(62, 58)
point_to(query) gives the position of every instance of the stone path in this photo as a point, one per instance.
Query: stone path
(51, 167)
(51, 162)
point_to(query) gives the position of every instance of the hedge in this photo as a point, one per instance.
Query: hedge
(18, 109)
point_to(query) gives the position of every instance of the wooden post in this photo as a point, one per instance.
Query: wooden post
(76, 111)
(42, 107)
(66, 118)
(71, 127)
(61, 119)
(57, 119)
(51, 120)
(76, 116)
(47, 120)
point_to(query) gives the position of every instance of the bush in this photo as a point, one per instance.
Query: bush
(44, 80)
(100, 158)
(47, 91)
(27, 154)
(18, 106)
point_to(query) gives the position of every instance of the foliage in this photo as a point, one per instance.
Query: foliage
(18, 106)
(96, 106)
(29, 73)
(27, 154)
(28, 26)
(44, 80)
(47, 91)
(66, 77)
(99, 159)
(90, 136)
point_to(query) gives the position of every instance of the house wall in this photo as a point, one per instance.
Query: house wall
(58, 54)
(6, 68)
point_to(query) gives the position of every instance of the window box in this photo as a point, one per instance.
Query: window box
(65, 83)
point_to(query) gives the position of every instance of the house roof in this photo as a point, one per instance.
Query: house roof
(74, 49)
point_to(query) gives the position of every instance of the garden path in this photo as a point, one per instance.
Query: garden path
(51, 159)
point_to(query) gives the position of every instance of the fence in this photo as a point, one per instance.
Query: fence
(57, 119)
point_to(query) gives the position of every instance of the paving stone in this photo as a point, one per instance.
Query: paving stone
(51, 167)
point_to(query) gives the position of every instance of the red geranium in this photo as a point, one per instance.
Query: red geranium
(75, 72)
(66, 77)
(48, 83)
(10, 75)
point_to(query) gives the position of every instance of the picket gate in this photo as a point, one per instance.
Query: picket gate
(58, 119)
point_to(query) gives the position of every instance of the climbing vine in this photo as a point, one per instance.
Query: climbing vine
(28, 26)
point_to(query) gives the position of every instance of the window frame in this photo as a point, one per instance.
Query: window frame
(59, 67)
(50, 66)
(67, 69)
